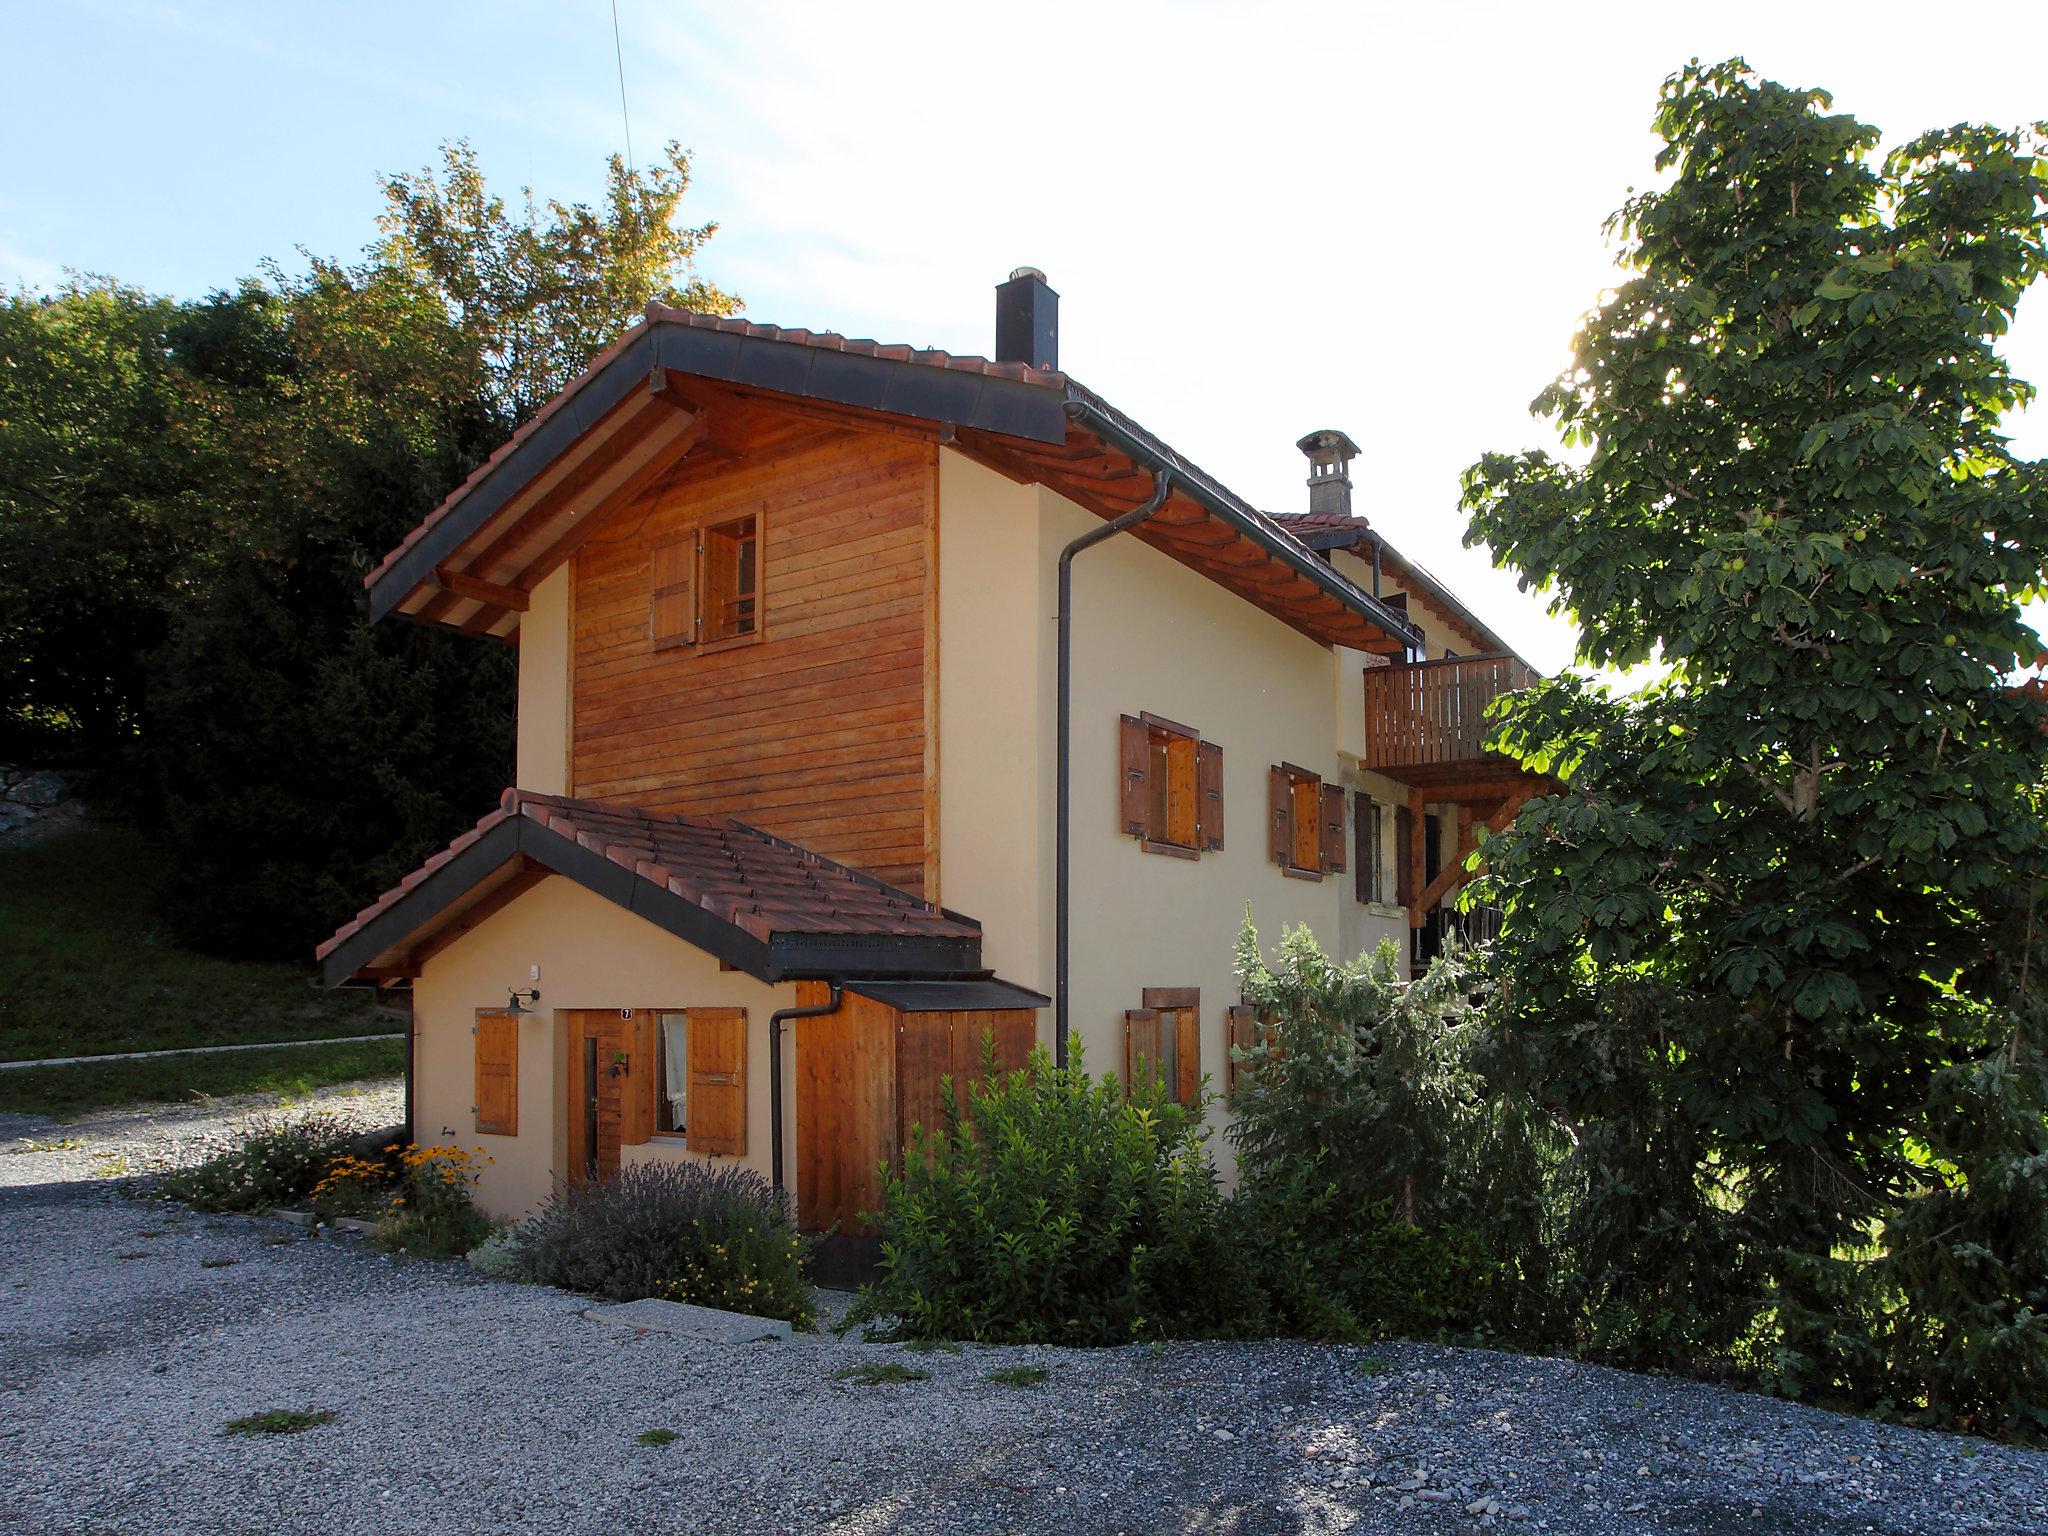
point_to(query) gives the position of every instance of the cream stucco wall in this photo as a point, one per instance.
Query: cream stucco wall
(543, 754)
(1149, 635)
(997, 669)
(591, 954)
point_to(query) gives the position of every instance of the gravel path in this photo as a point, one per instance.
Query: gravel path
(131, 1332)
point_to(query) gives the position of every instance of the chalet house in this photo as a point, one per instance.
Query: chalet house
(874, 700)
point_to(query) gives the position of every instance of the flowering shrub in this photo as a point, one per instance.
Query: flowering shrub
(435, 1214)
(354, 1186)
(684, 1231)
(274, 1161)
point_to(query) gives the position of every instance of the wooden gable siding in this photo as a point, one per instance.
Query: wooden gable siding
(823, 732)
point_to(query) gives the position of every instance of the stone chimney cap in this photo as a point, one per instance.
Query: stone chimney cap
(1326, 439)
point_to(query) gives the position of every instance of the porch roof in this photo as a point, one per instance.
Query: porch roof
(765, 906)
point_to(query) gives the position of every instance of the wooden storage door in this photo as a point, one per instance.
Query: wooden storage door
(845, 1109)
(933, 1046)
(864, 1077)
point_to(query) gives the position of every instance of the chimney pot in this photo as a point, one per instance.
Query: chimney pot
(1028, 320)
(1330, 454)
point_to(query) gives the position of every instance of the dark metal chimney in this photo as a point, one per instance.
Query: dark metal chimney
(1027, 320)
(1330, 454)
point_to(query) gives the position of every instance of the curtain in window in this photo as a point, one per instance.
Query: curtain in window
(675, 1056)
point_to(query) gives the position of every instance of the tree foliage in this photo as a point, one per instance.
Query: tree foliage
(1765, 952)
(541, 294)
(190, 492)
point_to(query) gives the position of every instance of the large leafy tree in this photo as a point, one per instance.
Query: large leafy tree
(1769, 950)
(191, 491)
(541, 293)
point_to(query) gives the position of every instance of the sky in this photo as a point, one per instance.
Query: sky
(1261, 219)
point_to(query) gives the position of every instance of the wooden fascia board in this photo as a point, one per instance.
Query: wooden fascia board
(525, 463)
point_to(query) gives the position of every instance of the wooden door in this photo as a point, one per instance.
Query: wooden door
(611, 1072)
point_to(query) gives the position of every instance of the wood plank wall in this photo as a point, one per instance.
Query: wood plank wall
(821, 733)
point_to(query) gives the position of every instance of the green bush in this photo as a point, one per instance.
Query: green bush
(274, 1161)
(1059, 1211)
(1383, 1189)
(435, 1216)
(711, 1236)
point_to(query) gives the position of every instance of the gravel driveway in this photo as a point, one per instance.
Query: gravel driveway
(131, 1332)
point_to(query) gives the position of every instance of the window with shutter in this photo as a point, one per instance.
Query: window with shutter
(672, 1080)
(1170, 778)
(716, 1093)
(672, 615)
(497, 1072)
(1164, 1038)
(729, 568)
(1301, 821)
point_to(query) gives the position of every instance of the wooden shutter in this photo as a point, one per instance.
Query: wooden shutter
(1141, 1045)
(718, 1080)
(497, 1073)
(1136, 754)
(1333, 828)
(1209, 808)
(1244, 1023)
(672, 619)
(1187, 1055)
(1280, 796)
(642, 1084)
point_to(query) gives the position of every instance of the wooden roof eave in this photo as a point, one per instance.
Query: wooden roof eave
(1107, 482)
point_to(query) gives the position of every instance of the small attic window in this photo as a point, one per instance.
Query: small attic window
(707, 587)
(731, 557)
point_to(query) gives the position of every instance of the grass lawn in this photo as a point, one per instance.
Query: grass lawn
(88, 971)
(65, 1093)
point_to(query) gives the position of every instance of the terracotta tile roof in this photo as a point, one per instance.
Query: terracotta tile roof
(1319, 522)
(662, 314)
(737, 873)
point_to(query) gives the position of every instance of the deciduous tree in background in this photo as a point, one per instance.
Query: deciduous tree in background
(1768, 953)
(542, 294)
(190, 493)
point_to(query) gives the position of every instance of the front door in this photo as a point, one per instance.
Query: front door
(603, 1071)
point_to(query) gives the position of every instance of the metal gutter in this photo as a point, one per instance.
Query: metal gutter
(1063, 877)
(776, 1020)
(1418, 576)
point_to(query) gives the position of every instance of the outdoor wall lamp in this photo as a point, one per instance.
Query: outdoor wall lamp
(514, 1004)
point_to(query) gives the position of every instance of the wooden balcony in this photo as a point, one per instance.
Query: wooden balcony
(1424, 721)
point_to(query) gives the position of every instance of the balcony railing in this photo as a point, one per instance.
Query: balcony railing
(1430, 714)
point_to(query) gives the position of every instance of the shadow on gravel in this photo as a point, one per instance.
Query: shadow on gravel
(22, 1197)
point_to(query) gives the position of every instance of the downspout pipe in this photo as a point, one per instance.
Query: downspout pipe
(1162, 484)
(776, 1020)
